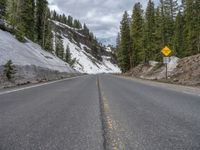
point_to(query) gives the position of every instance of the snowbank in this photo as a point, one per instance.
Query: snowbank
(28, 54)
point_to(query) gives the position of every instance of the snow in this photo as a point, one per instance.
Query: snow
(153, 63)
(170, 67)
(108, 49)
(86, 63)
(28, 53)
(66, 26)
(173, 63)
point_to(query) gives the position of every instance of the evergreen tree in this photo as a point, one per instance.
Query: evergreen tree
(2, 8)
(68, 55)
(149, 35)
(41, 12)
(12, 12)
(59, 48)
(86, 30)
(9, 70)
(178, 36)
(171, 8)
(158, 34)
(48, 36)
(137, 34)
(192, 30)
(77, 24)
(124, 52)
(118, 42)
(64, 19)
(183, 5)
(26, 18)
(70, 21)
(54, 15)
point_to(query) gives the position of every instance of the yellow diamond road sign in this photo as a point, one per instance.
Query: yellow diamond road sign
(166, 51)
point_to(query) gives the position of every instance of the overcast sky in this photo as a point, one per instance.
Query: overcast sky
(101, 16)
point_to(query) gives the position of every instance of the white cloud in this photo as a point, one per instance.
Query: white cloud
(102, 17)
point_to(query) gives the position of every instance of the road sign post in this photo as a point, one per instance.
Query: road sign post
(166, 59)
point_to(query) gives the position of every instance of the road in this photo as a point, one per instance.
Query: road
(99, 112)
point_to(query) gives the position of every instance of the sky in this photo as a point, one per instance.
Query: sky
(101, 16)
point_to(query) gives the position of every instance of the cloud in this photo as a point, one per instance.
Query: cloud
(102, 17)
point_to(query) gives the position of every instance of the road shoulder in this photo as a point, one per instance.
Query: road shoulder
(174, 87)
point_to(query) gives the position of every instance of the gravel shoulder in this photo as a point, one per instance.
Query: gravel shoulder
(174, 87)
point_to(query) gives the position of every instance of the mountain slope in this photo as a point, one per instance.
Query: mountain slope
(90, 58)
(28, 54)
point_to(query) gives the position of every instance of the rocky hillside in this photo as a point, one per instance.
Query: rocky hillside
(184, 71)
(91, 56)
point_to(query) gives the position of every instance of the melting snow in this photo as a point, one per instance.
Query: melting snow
(28, 53)
(86, 63)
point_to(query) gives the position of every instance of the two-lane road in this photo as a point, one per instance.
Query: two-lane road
(97, 113)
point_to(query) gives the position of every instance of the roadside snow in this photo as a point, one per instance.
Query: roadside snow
(173, 63)
(170, 67)
(153, 63)
(28, 53)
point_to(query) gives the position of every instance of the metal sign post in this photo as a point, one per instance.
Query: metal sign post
(166, 60)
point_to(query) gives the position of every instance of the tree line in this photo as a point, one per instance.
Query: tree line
(31, 19)
(145, 33)
(68, 20)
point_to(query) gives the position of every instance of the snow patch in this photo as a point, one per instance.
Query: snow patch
(173, 63)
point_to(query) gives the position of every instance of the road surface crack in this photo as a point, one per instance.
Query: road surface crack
(109, 126)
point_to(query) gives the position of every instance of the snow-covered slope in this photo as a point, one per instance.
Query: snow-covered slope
(81, 51)
(86, 63)
(29, 53)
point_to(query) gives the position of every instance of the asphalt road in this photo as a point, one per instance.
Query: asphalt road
(97, 113)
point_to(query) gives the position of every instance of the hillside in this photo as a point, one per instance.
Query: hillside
(90, 56)
(28, 53)
(184, 71)
(32, 63)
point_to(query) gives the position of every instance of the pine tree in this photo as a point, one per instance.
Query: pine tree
(9, 70)
(77, 24)
(41, 12)
(26, 18)
(149, 35)
(118, 41)
(183, 5)
(178, 36)
(68, 55)
(137, 34)
(59, 48)
(124, 52)
(171, 8)
(158, 34)
(64, 18)
(70, 21)
(12, 12)
(192, 30)
(54, 15)
(47, 43)
(86, 30)
(2, 8)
